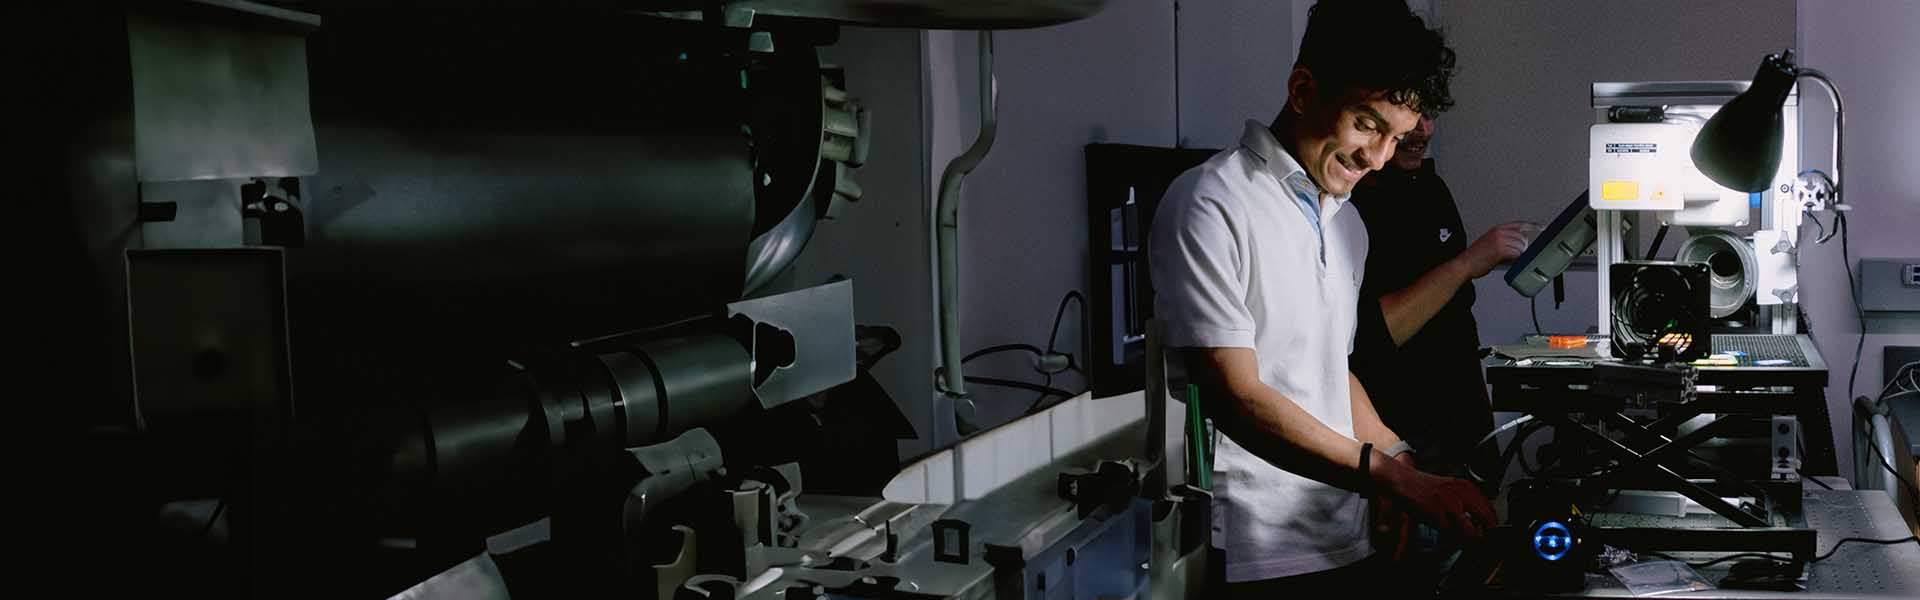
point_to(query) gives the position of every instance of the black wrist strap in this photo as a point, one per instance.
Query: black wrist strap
(1366, 456)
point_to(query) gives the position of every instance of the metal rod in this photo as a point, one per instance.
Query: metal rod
(955, 383)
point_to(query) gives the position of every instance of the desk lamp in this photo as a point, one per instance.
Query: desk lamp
(1740, 146)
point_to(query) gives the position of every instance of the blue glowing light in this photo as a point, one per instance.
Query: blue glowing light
(1552, 540)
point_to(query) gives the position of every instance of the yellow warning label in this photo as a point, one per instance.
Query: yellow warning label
(1619, 190)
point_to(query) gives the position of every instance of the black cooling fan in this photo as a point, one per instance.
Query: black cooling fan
(1660, 310)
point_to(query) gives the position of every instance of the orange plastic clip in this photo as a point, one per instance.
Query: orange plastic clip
(1566, 341)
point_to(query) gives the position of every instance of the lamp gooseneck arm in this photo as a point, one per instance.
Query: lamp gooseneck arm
(1839, 130)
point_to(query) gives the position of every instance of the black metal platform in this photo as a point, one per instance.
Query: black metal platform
(1560, 387)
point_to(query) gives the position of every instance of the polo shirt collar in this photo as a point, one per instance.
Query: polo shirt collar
(1259, 140)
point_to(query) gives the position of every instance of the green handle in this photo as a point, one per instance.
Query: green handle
(1197, 458)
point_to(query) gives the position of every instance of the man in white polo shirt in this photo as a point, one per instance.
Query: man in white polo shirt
(1256, 260)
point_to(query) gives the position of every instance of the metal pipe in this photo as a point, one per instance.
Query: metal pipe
(955, 383)
(1839, 129)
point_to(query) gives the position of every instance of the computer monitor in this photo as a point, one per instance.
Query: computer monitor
(1569, 236)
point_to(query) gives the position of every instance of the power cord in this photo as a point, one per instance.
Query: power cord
(1843, 541)
(1053, 336)
(1901, 379)
(1043, 390)
(1817, 558)
(1534, 307)
(1709, 563)
(1506, 457)
(1846, 260)
(1047, 362)
(989, 350)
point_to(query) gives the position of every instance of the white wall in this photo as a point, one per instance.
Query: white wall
(1234, 61)
(1023, 232)
(1867, 49)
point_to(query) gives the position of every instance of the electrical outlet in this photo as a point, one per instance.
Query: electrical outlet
(1890, 284)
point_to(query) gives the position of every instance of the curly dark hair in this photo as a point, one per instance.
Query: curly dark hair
(1377, 45)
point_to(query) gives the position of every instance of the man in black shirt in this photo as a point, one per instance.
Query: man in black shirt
(1416, 348)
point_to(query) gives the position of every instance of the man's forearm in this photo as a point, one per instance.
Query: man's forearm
(1271, 426)
(1367, 425)
(1408, 309)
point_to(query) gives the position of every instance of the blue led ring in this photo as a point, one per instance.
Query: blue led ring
(1552, 540)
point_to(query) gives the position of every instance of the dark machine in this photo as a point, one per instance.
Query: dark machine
(456, 300)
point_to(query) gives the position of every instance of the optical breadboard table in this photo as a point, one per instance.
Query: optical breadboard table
(1855, 570)
(1775, 372)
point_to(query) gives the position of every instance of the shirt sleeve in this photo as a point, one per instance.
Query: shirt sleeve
(1372, 345)
(1194, 259)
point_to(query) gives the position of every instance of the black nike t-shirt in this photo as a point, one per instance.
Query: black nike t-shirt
(1430, 390)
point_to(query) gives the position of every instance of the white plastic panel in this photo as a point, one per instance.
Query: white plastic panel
(1638, 166)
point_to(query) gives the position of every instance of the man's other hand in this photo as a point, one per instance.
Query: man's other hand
(1498, 246)
(1449, 504)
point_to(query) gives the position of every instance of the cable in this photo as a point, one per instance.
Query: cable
(1843, 542)
(1817, 558)
(1709, 563)
(1506, 457)
(1053, 336)
(1816, 481)
(1000, 348)
(1653, 249)
(1846, 260)
(1041, 400)
(1895, 380)
(1881, 458)
(1820, 229)
(1033, 387)
(1534, 307)
(1060, 312)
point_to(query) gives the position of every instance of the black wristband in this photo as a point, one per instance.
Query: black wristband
(1366, 456)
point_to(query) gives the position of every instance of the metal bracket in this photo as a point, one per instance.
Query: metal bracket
(958, 552)
(802, 341)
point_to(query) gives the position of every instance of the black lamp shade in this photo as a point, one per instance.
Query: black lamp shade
(1740, 146)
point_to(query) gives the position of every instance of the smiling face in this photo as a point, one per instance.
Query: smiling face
(1340, 137)
(1413, 148)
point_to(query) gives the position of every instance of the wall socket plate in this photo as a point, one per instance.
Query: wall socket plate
(1890, 284)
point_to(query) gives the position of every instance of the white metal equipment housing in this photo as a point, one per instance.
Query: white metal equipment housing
(1645, 168)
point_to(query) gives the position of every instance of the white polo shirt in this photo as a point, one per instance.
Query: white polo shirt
(1244, 255)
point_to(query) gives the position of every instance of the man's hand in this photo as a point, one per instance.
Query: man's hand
(1450, 504)
(1498, 246)
(1392, 526)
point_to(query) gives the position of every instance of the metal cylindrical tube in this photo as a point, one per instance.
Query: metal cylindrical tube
(1731, 268)
(505, 447)
(639, 396)
(705, 378)
(541, 237)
